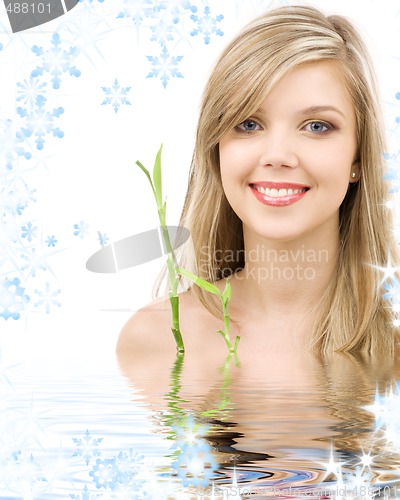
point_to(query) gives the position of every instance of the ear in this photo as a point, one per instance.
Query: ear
(355, 172)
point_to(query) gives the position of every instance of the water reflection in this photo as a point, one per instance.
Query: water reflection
(282, 420)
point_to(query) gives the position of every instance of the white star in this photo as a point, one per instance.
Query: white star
(388, 271)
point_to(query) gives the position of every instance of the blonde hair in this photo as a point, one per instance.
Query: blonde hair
(353, 315)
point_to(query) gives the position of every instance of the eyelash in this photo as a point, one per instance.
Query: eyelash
(329, 127)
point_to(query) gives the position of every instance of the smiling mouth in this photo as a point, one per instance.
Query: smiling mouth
(278, 194)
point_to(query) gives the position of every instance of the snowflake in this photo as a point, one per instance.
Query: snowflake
(137, 11)
(119, 473)
(105, 473)
(87, 447)
(81, 229)
(103, 238)
(40, 122)
(51, 241)
(26, 474)
(129, 465)
(56, 61)
(116, 95)
(194, 463)
(164, 67)
(47, 299)
(29, 90)
(393, 291)
(393, 172)
(162, 32)
(11, 144)
(12, 298)
(206, 25)
(14, 199)
(29, 231)
(34, 260)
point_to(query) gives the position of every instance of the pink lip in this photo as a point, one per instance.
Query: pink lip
(279, 201)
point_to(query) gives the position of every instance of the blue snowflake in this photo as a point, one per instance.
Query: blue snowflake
(136, 11)
(165, 13)
(103, 238)
(34, 260)
(51, 241)
(81, 229)
(29, 90)
(14, 198)
(11, 144)
(393, 291)
(56, 61)
(87, 447)
(40, 122)
(12, 298)
(164, 67)
(206, 25)
(129, 465)
(162, 32)
(47, 298)
(105, 473)
(393, 172)
(29, 231)
(28, 471)
(119, 472)
(194, 462)
(116, 95)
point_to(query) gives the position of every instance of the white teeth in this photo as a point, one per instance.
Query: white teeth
(275, 193)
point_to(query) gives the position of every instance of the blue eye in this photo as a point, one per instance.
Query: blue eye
(318, 127)
(248, 126)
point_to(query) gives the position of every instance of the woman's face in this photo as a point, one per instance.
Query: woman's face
(286, 169)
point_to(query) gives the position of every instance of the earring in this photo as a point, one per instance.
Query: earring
(353, 175)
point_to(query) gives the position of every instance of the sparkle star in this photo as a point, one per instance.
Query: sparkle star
(388, 271)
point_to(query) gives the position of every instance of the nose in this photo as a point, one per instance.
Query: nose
(278, 150)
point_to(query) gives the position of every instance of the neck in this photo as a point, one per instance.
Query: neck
(285, 276)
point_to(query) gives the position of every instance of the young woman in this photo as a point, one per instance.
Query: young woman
(286, 195)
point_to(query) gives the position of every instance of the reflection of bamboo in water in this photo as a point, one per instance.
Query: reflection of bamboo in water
(211, 422)
(223, 403)
(174, 400)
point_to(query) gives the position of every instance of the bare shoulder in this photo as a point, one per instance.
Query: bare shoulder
(149, 328)
(148, 331)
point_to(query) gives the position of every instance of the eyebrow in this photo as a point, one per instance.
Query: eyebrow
(319, 109)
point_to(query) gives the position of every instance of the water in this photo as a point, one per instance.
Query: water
(78, 423)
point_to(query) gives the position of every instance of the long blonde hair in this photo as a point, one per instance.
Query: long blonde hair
(353, 315)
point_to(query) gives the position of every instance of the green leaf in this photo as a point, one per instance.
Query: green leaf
(205, 285)
(157, 178)
(147, 175)
(226, 294)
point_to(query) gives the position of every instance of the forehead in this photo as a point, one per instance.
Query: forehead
(319, 84)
